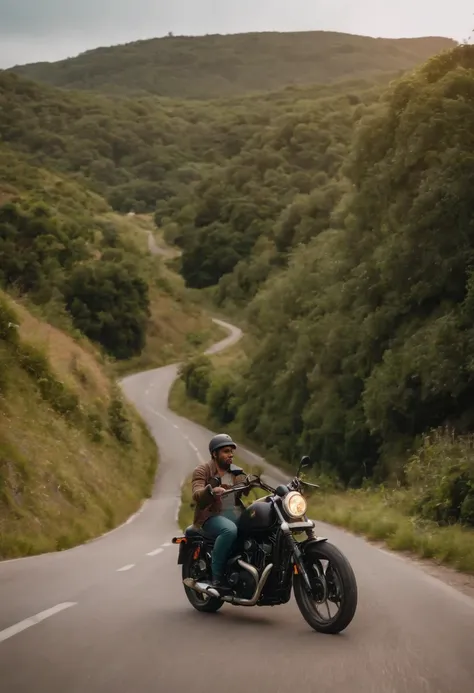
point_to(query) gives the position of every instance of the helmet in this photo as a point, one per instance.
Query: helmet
(221, 440)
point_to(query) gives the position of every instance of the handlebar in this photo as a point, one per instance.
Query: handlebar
(244, 487)
(258, 483)
(307, 483)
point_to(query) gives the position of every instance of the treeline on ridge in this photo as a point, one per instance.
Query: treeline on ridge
(215, 66)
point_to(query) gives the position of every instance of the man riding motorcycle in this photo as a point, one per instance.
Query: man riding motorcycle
(218, 516)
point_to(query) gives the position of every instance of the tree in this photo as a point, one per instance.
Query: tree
(110, 305)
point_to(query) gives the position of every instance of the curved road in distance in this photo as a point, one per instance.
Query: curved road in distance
(111, 616)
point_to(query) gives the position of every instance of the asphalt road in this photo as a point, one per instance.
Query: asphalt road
(111, 616)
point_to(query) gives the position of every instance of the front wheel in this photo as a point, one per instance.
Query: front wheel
(333, 580)
(193, 569)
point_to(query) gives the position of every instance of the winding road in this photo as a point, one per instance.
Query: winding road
(111, 616)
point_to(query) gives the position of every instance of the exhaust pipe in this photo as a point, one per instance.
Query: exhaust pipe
(204, 588)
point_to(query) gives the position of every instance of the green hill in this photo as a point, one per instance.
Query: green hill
(222, 66)
(362, 332)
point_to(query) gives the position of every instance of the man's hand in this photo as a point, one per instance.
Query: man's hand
(218, 491)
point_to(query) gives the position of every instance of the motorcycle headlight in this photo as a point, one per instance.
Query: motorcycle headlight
(294, 504)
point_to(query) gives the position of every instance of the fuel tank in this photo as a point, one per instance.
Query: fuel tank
(258, 517)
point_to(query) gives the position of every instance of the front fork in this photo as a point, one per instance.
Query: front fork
(299, 567)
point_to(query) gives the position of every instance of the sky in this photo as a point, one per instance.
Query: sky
(37, 30)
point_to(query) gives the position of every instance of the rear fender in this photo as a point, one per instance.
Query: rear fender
(187, 545)
(184, 546)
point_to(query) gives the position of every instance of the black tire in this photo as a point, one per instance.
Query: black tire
(200, 602)
(343, 569)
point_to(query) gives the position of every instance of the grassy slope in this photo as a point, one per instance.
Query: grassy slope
(222, 66)
(59, 486)
(379, 515)
(64, 477)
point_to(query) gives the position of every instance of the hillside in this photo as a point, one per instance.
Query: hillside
(238, 221)
(363, 343)
(175, 157)
(75, 459)
(360, 340)
(221, 66)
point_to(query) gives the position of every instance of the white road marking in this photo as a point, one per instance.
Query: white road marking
(126, 567)
(193, 447)
(33, 620)
(168, 543)
(155, 552)
(157, 413)
(175, 426)
(200, 458)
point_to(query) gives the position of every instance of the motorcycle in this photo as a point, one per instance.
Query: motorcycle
(268, 561)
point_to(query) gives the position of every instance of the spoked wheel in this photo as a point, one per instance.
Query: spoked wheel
(334, 585)
(196, 569)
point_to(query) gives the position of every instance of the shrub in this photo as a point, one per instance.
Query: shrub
(118, 421)
(196, 375)
(441, 474)
(222, 399)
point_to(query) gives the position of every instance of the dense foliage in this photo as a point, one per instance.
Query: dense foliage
(366, 340)
(217, 66)
(133, 152)
(110, 305)
(241, 219)
(51, 258)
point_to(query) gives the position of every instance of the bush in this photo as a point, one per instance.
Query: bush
(8, 323)
(441, 474)
(110, 305)
(222, 399)
(119, 423)
(196, 375)
(36, 364)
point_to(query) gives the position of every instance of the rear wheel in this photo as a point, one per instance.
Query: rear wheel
(333, 582)
(196, 569)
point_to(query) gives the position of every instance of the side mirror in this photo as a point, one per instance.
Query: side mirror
(305, 463)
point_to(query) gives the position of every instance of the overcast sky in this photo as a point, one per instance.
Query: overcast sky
(35, 30)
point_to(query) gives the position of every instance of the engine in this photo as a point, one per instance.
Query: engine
(256, 554)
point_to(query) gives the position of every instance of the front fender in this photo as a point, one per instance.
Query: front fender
(304, 545)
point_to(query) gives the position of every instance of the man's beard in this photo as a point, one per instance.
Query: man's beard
(225, 464)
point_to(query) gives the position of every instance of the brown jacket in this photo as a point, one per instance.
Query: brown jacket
(206, 504)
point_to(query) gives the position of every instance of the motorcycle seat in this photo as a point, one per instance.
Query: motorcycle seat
(193, 532)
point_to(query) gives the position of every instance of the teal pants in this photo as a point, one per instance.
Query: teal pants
(224, 528)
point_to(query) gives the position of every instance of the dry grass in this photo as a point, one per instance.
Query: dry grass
(62, 481)
(176, 330)
(384, 516)
(74, 362)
